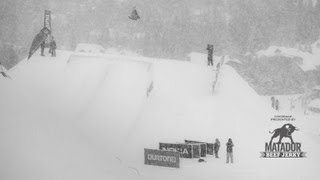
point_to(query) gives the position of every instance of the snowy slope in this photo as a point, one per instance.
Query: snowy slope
(81, 116)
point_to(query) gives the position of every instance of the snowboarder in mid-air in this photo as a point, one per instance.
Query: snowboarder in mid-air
(134, 14)
(210, 54)
(216, 147)
(230, 150)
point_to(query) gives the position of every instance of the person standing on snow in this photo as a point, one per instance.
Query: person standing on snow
(42, 45)
(277, 104)
(53, 47)
(273, 102)
(216, 147)
(210, 54)
(222, 60)
(218, 67)
(229, 150)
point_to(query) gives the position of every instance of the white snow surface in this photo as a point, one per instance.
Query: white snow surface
(315, 104)
(89, 48)
(201, 58)
(309, 60)
(81, 116)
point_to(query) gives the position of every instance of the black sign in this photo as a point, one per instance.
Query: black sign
(161, 158)
(281, 149)
(205, 149)
(185, 150)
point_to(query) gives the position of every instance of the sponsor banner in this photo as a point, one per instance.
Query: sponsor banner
(276, 148)
(161, 158)
(205, 149)
(185, 150)
(196, 150)
(47, 24)
(210, 148)
(283, 154)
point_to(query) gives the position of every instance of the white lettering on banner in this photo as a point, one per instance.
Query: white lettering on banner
(185, 151)
(181, 150)
(162, 158)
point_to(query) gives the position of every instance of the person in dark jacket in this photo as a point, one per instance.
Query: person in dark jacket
(216, 147)
(42, 45)
(230, 150)
(210, 54)
(53, 47)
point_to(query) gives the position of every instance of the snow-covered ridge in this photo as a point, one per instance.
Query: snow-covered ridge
(309, 60)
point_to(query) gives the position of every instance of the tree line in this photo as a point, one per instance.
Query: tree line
(167, 28)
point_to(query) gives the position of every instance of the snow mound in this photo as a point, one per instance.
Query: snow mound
(316, 48)
(309, 61)
(202, 59)
(116, 51)
(89, 48)
(88, 116)
(315, 104)
(65, 116)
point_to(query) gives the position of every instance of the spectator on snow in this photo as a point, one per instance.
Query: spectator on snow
(229, 150)
(222, 60)
(210, 54)
(53, 47)
(272, 102)
(217, 75)
(277, 104)
(218, 66)
(216, 147)
(42, 45)
(214, 85)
